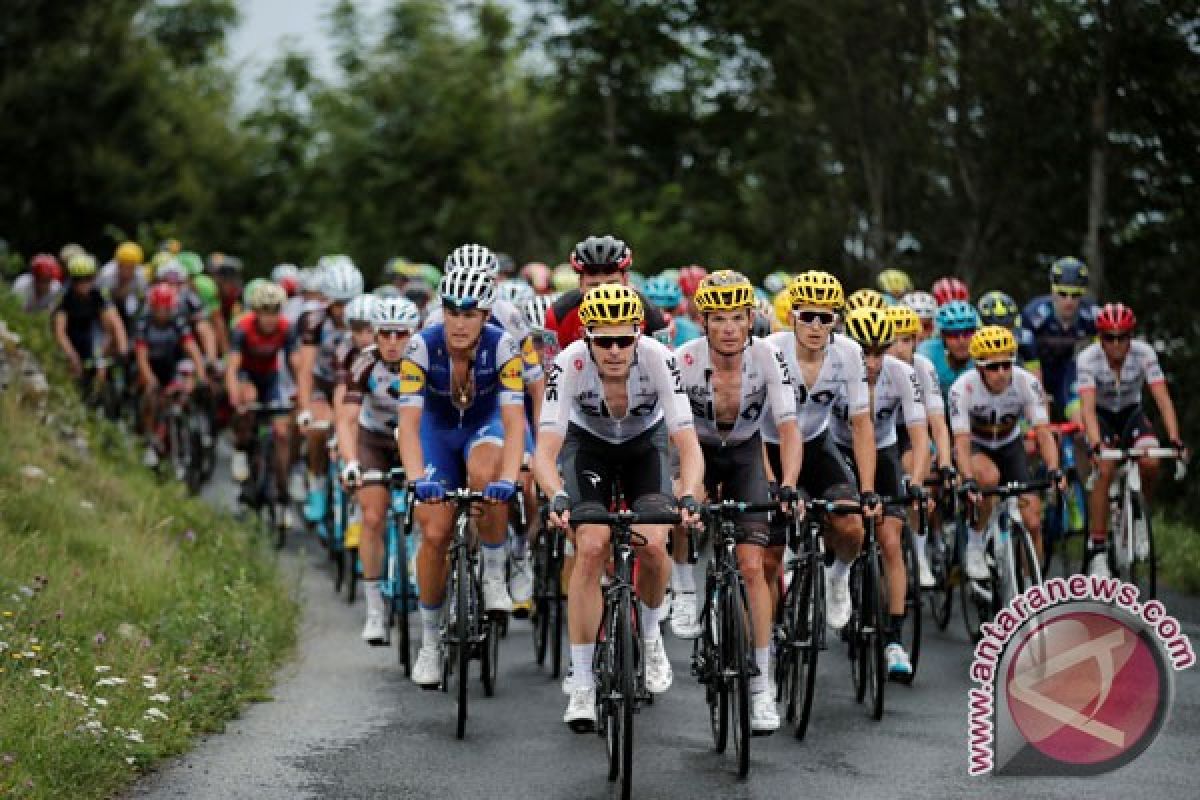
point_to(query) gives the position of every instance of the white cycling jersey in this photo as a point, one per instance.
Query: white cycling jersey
(1115, 392)
(842, 375)
(513, 321)
(897, 391)
(374, 386)
(575, 394)
(764, 376)
(993, 419)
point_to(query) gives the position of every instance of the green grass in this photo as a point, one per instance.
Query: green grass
(131, 617)
(1178, 549)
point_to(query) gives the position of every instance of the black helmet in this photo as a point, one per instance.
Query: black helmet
(601, 254)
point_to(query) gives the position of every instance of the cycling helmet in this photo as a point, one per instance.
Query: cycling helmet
(565, 278)
(224, 263)
(44, 266)
(396, 313)
(904, 320)
(162, 297)
(505, 266)
(535, 310)
(894, 282)
(923, 303)
(191, 262)
(515, 291)
(473, 256)
(401, 266)
(997, 308)
(870, 327)
(946, 290)
(611, 304)
(206, 290)
(468, 288)
(993, 341)
(170, 245)
(1115, 318)
(342, 282)
(776, 282)
(601, 254)
(280, 272)
(690, 278)
(387, 290)
(68, 252)
(865, 298)
(724, 290)
(816, 288)
(431, 274)
(82, 265)
(129, 254)
(663, 292)
(635, 279)
(761, 324)
(538, 276)
(264, 295)
(1069, 274)
(361, 309)
(782, 304)
(957, 315)
(249, 289)
(335, 260)
(171, 272)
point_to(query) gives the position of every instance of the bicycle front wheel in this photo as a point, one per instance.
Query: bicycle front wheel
(1143, 569)
(716, 691)
(628, 686)
(872, 633)
(910, 633)
(462, 634)
(940, 553)
(737, 657)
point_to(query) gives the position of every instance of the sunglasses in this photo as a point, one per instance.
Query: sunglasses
(996, 366)
(1070, 292)
(957, 334)
(393, 334)
(809, 317)
(1116, 337)
(875, 352)
(609, 342)
(269, 310)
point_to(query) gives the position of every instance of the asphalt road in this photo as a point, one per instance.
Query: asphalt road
(345, 723)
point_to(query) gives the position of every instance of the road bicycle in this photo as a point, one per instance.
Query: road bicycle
(262, 492)
(547, 621)
(864, 631)
(910, 629)
(1067, 520)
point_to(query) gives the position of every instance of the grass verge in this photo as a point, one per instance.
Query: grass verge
(131, 617)
(1178, 547)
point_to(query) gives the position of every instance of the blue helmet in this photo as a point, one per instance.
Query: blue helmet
(663, 292)
(1069, 273)
(998, 308)
(957, 315)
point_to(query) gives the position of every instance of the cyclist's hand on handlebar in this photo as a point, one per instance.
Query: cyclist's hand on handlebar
(560, 513)
(352, 475)
(689, 511)
(949, 476)
(304, 419)
(429, 491)
(500, 491)
(972, 490)
(788, 497)
(1059, 480)
(1185, 455)
(872, 506)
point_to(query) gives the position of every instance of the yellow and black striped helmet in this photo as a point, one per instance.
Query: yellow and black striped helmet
(724, 290)
(817, 288)
(865, 298)
(870, 327)
(611, 304)
(904, 320)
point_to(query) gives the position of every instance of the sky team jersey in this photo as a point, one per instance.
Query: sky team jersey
(494, 379)
(897, 392)
(842, 376)
(575, 394)
(511, 320)
(993, 420)
(931, 387)
(1117, 392)
(375, 387)
(260, 351)
(934, 350)
(764, 375)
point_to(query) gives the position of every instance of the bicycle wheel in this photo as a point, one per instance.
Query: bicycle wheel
(400, 598)
(737, 658)
(195, 462)
(941, 563)
(812, 625)
(462, 628)
(1143, 568)
(712, 665)
(556, 624)
(605, 664)
(487, 631)
(910, 633)
(539, 622)
(628, 684)
(853, 632)
(350, 569)
(1027, 564)
(786, 636)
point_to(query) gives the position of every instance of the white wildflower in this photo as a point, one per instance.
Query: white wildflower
(102, 668)
(100, 701)
(154, 713)
(161, 697)
(149, 682)
(39, 673)
(135, 736)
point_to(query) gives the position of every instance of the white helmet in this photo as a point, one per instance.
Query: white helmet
(283, 271)
(342, 282)
(921, 302)
(334, 260)
(311, 279)
(396, 313)
(473, 255)
(468, 288)
(515, 291)
(265, 295)
(535, 310)
(361, 309)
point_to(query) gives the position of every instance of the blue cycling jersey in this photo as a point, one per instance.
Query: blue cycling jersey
(685, 331)
(1043, 338)
(935, 350)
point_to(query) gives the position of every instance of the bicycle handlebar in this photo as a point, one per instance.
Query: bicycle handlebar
(1058, 429)
(624, 518)
(1014, 488)
(1115, 454)
(731, 507)
(833, 506)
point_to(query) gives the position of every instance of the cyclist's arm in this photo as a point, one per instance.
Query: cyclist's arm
(346, 423)
(791, 449)
(1162, 399)
(220, 331)
(305, 360)
(1046, 445)
(862, 432)
(691, 461)
(60, 333)
(232, 365)
(1087, 408)
(143, 364)
(941, 439)
(512, 416)
(208, 339)
(918, 434)
(537, 391)
(545, 462)
(112, 321)
(1039, 420)
(962, 455)
(408, 437)
(193, 351)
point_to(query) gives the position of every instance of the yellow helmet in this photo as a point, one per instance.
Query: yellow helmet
(904, 320)
(865, 298)
(894, 282)
(611, 304)
(724, 290)
(816, 288)
(870, 327)
(783, 308)
(129, 253)
(993, 341)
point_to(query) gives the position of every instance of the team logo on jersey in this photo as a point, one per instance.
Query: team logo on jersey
(528, 352)
(687, 359)
(552, 382)
(412, 378)
(510, 375)
(578, 364)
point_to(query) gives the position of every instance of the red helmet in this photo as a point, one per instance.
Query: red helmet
(1115, 318)
(946, 290)
(290, 285)
(690, 277)
(45, 267)
(162, 297)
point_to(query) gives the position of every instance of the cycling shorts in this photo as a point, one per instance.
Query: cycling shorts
(322, 390)
(1010, 459)
(268, 387)
(737, 470)
(823, 473)
(888, 476)
(376, 452)
(1129, 427)
(596, 471)
(447, 449)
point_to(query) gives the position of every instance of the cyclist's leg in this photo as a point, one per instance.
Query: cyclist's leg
(1013, 466)
(481, 454)
(773, 553)
(242, 424)
(987, 475)
(826, 474)
(1140, 433)
(645, 470)
(376, 453)
(887, 483)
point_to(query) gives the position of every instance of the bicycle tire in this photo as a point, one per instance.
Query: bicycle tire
(462, 629)
(711, 654)
(786, 636)
(487, 630)
(853, 632)
(812, 624)
(1143, 573)
(350, 560)
(195, 463)
(1028, 565)
(557, 625)
(876, 670)
(400, 599)
(629, 689)
(941, 564)
(539, 622)
(910, 632)
(606, 660)
(737, 660)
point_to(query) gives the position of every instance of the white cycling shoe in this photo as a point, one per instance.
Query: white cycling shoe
(427, 672)
(581, 710)
(150, 457)
(764, 717)
(837, 600)
(976, 562)
(1098, 564)
(659, 675)
(924, 572)
(239, 466)
(898, 666)
(683, 616)
(520, 585)
(495, 596)
(374, 631)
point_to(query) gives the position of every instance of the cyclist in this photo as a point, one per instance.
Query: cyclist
(665, 294)
(947, 290)
(252, 374)
(83, 314)
(1112, 373)
(925, 305)
(162, 342)
(612, 401)
(997, 308)
(894, 283)
(987, 405)
(907, 329)
(321, 331)
(1053, 327)
(39, 288)
(728, 376)
(596, 260)
(864, 298)
(826, 367)
(950, 350)
(365, 434)
(895, 391)
(537, 274)
(124, 282)
(191, 307)
(461, 422)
